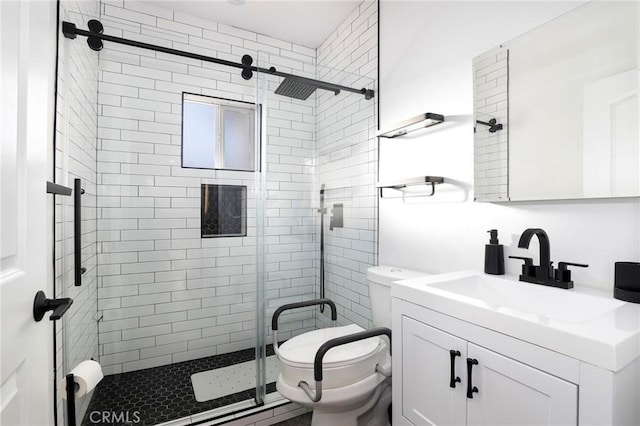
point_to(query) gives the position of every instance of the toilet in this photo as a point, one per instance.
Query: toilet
(356, 384)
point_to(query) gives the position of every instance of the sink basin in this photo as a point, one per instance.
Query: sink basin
(584, 324)
(504, 295)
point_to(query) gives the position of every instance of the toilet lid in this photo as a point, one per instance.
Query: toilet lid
(302, 349)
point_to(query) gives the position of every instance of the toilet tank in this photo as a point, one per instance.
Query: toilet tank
(380, 279)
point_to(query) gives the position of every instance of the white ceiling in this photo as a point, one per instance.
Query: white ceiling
(306, 22)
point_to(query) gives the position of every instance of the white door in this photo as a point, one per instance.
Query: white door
(513, 394)
(427, 395)
(27, 68)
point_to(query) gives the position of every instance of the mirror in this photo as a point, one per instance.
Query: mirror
(566, 95)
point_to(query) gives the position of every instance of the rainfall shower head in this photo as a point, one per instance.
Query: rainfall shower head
(295, 89)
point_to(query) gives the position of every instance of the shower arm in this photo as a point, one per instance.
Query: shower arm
(70, 31)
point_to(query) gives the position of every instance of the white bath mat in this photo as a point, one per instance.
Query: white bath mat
(212, 384)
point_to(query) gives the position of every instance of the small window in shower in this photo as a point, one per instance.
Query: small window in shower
(223, 211)
(218, 133)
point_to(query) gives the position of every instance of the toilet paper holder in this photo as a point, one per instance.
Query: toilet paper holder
(71, 399)
(78, 382)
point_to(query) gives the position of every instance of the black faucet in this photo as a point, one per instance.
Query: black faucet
(544, 273)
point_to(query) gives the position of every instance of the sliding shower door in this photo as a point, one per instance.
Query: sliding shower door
(200, 217)
(176, 240)
(260, 185)
(346, 167)
(313, 138)
(168, 294)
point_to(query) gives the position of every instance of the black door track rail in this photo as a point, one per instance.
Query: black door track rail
(95, 37)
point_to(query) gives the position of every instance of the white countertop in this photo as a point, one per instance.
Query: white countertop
(583, 323)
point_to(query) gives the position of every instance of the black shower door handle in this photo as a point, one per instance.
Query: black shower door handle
(454, 379)
(77, 231)
(470, 388)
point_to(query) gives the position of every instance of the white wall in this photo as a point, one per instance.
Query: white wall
(425, 66)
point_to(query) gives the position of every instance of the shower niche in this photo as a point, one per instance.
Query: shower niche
(224, 211)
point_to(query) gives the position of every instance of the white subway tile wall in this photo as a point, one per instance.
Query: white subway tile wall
(75, 156)
(491, 150)
(346, 161)
(166, 294)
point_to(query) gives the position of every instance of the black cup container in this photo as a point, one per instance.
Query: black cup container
(627, 282)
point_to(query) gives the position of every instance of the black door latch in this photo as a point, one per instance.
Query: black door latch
(41, 305)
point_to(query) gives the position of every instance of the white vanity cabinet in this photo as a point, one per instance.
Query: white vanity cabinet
(550, 368)
(504, 391)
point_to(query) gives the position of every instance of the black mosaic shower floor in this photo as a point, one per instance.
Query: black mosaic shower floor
(156, 395)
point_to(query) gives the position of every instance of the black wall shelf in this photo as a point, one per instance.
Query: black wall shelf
(415, 181)
(428, 119)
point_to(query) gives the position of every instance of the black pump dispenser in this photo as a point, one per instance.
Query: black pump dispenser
(494, 255)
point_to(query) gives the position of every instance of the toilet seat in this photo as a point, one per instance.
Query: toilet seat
(342, 365)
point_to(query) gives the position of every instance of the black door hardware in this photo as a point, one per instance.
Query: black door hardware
(470, 388)
(492, 124)
(41, 305)
(77, 231)
(454, 379)
(95, 36)
(55, 189)
(95, 27)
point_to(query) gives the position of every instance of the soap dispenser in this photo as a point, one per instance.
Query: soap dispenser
(494, 255)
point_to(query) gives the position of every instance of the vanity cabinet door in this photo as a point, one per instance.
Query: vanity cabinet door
(511, 393)
(427, 395)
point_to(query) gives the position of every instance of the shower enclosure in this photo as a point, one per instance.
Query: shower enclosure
(199, 212)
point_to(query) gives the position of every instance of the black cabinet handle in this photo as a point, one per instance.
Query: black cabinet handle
(454, 379)
(470, 388)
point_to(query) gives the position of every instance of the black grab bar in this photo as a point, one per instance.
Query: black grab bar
(343, 340)
(338, 341)
(288, 306)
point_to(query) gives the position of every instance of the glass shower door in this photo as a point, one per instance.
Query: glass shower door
(170, 251)
(326, 140)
